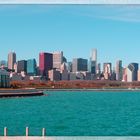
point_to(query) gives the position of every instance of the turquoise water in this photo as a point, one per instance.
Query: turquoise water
(73, 113)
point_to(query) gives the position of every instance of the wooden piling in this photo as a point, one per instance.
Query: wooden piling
(43, 132)
(27, 131)
(5, 131)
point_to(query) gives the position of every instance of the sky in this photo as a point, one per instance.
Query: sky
(74, 29)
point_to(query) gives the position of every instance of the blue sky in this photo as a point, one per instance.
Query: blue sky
(75, 29)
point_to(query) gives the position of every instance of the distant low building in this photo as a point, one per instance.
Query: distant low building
(72, 76)
(87, 75)
(54, 75)
(15, 77)
(4, 79)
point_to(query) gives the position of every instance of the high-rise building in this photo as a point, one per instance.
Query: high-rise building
(92, 66)
(57, 59)
(45, 63)
(119, 70)
(11, 60)
(31, 67)
(21, 66)
(79, 64)
(124, 71)
(132, 72)
(107, 70)
(98, 69)
(15, 67)
(93, 61)
(64, 72)
(94, 55)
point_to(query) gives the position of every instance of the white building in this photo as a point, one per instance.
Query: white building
(11, 60)
(129, 75)
(57, 59)
(64, 72)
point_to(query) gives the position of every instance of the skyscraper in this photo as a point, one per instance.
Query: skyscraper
(107, 70)
(11, 60)
(94, 55)
(31, 67)
(93, 61)
(79, 64)
(21, 66)
(132, 72)
(98, 69)
(119, 70)
(57, 59)
(45, 63)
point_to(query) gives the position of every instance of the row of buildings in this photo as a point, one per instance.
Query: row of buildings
(54, 67)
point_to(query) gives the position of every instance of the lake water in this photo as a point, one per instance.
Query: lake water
(70, 113)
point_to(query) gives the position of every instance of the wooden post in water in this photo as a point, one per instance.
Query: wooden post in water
(5, 131)
(43, 132)
(27, 131)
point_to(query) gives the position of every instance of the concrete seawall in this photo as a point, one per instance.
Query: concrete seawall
(20, 93)
(73, 138)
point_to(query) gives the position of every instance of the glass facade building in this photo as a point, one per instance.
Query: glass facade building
(31, 67)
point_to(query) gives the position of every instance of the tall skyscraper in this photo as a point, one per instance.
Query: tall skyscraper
(79, 64)
(107, 70)
(11, 60)
(132, 72)
(93, 61)
(94, 55)
(31, 67)
(45, 63)
(119, 70)
(57, 59)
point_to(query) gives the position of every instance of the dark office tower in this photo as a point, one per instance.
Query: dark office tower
(45, 63)
(31, 67)
(93, 61)
(11, 60)
(79, 64)
(21, 66)
(132, 72)
(119, 70)
(92, 66)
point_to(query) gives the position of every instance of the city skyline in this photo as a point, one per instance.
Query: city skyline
(28, 30)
